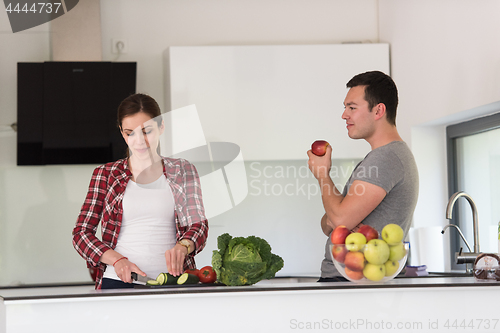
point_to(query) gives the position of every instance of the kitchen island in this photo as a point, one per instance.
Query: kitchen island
(423, 304)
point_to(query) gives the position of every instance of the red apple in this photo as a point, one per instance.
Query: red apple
(369, 232)
(319, 147)
(353, 275)
(339, 252)
(355, 261)
(339, 234)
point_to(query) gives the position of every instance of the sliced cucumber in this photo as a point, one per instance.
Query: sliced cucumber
(165, 278)
(187, 278)
(153, 283)
(160, 278)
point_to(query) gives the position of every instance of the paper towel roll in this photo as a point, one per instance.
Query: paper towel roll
(413, 258)
(492, 242)
(428, 244)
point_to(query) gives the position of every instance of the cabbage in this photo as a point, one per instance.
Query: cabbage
(244, 261)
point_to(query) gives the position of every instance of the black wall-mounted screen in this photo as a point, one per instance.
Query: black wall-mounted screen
(66, 111)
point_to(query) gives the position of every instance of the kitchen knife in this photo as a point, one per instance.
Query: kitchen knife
(137, 277)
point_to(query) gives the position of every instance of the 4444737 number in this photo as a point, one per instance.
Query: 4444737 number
(36, 8)
(471, 324)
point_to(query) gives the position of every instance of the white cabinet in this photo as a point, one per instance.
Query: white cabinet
(273, 101)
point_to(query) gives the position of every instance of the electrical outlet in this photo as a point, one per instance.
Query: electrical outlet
(119, 46)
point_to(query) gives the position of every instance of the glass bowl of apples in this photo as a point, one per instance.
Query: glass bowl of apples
(365, 256)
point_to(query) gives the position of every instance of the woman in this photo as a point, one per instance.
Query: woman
(150, 207)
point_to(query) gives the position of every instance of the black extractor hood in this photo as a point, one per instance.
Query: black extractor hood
(66, 111)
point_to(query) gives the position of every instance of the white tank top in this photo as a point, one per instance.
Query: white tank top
(148, 227)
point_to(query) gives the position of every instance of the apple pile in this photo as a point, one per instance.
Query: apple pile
(365, 255)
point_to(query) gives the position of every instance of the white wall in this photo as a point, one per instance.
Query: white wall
(151, 26)
(284, 96)
(445, 61)
(30, 45)
(16, 197)
(444, 56)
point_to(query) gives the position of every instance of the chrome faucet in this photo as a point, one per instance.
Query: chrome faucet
(459, 231)
(464, 258)
(449, 211)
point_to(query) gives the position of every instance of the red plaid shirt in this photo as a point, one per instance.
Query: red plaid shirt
(103, 204)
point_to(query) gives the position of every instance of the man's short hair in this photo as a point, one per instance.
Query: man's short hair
(379, 88)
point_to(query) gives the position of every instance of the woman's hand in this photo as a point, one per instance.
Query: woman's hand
(124, 269)
(175, 259)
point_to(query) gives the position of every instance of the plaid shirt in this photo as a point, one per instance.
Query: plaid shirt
(104, 204)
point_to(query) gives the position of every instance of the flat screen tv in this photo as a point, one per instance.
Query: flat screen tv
(66, 111)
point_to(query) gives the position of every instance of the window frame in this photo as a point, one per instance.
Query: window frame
(453, 132)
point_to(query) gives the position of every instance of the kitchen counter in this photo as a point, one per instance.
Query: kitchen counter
(283, 304)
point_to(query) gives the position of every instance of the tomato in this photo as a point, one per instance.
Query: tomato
(207, 275)
(193, 271)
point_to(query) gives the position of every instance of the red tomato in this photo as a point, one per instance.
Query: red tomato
(207, 275)
(193, 271)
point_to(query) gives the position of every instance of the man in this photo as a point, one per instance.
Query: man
(383, 188)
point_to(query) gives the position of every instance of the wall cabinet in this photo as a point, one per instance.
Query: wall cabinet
(273, 101)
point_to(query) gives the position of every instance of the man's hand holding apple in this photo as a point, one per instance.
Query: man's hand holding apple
(320, 165)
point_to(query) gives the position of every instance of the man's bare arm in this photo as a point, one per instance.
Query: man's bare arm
(360, 201)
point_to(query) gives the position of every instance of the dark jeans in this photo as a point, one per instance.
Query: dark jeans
(115, 284)
(333, 279)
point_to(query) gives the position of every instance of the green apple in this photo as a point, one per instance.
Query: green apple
(392, 233)
(355, 241)
(376, 251)
(374, 272)
(391, 267)
(398, 251)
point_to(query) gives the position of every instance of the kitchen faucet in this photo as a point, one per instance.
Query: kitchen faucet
(459, 231)
(470, 257)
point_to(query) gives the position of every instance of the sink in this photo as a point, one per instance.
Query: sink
(290, 279)
(312, 279)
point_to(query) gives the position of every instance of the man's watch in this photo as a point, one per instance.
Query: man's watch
(186, 244)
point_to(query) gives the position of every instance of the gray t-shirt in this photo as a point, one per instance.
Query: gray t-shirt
(393, 168)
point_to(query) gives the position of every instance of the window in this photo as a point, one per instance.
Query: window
(474, 167)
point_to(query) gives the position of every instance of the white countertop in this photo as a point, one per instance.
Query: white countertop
(280, 305)
(277, 284)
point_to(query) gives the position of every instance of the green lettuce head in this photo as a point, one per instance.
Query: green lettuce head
(244, 261)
